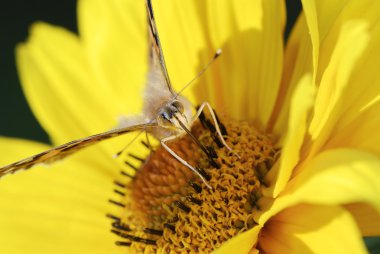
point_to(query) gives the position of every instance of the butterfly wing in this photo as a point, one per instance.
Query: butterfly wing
(62, 151)
(156, 49)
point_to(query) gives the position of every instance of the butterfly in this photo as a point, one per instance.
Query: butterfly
(167, 115)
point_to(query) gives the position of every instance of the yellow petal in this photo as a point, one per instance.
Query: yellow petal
(297, 62)
(324, 21)
(311, 229)
(312, 22)
(327, 18)
(365, 71)
(60, 209)
(16, 149)
(357, 110)
(334, 82)
(366, 217)
(334, 177)
(302, 103)
(320, 17)
(114, 34)
(242, 243)
(250, 34)
(362, 130)
(348, 60)
(59, 86)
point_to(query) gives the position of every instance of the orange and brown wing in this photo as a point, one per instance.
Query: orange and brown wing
(62, 151)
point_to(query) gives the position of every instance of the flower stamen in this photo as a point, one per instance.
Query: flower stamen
(116, 203)
(119, 243)
(169, 209)
(134, 238)
(126, 174)
(119, 184)
(182, 206)
(131, 166)
(119, 192)
(152, 231)
(120, 226)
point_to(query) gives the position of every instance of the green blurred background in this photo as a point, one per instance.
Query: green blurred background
(16, 16)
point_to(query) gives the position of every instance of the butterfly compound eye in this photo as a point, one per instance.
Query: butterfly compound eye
(178, 105)
(163, 119)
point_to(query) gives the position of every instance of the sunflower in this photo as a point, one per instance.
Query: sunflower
(303, 119)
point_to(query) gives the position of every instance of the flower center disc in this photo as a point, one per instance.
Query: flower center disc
(170, 210)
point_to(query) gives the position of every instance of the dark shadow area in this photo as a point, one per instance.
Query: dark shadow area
(15, 19)
(373, 244)
(293, 8)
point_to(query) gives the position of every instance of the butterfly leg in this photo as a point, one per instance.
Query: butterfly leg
(196, 116)
(167, 148)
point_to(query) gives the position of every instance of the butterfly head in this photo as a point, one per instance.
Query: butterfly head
(174, 116)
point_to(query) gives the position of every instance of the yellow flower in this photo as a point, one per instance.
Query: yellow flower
(318, 99)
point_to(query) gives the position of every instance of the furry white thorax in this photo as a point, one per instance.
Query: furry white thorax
(157, 98)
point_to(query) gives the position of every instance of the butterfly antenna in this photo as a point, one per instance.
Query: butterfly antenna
(130, 143)
(216, 55)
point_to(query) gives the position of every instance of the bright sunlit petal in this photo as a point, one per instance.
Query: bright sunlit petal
(240, 244)
(56, 209)
(339, 176)
(52, 66)
(311, 229)
(116, 46)
(300, 108)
